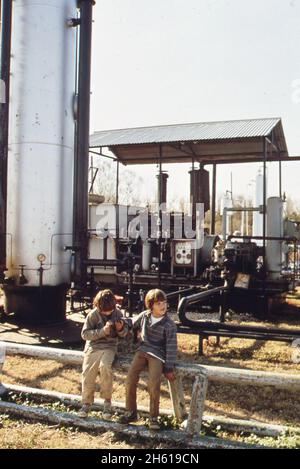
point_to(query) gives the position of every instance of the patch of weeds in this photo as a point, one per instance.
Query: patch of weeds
(283, 441)
(167, 422)
(209, 430)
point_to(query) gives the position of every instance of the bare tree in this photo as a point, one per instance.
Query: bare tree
(292, 209)
(105, 183)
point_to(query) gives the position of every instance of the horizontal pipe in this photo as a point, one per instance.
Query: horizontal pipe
(268, 238)
(242, 209)
(218, 332)
(180, 292)
(232, 425)
(215, 374)
(102, 262)
(176, 437)
(208, 327)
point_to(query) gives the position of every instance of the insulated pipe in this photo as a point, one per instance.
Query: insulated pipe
(80, 221)
(274, 228)
(208, 327)
(237, 209)
(6, 21)
(180, 292)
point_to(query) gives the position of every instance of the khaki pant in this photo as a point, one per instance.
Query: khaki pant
(141, 361)
(95, 360)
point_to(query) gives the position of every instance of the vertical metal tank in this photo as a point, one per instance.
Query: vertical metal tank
(162, 182)
(257, 229)
(40, 158)
(226, 202)
(274, 228)
(199, 187)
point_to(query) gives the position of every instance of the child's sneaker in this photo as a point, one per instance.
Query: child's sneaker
(83, 413)
(129, 416)
(107, 410)
(153, 424)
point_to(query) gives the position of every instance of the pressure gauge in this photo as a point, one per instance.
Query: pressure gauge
(41, 258)
(183, 253)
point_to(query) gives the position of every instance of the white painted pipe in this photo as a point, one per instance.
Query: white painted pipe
(177, 437)
(233, 425)
(216, 374)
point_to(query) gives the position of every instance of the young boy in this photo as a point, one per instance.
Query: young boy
(102, 327)
(157, 352)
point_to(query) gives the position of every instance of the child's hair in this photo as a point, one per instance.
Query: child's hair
(104, 300)
(154, 296)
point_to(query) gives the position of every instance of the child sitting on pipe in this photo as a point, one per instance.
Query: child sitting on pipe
(101, 330)
(157, 352)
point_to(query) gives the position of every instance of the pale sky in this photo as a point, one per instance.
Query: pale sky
(158, 62)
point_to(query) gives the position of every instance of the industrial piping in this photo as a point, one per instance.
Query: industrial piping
(80, 220)
(6, 20)
(219, 328)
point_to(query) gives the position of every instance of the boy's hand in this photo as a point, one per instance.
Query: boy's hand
(170, 376)
(107, 328)
(119, 325)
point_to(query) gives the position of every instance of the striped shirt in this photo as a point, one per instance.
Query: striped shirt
(159, 339)
(94, 334)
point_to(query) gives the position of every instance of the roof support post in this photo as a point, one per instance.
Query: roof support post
(117, 183)
(280, 174)
(213, 201)
(159, 216)
(265, 151)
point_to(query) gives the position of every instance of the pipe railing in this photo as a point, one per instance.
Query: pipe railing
(210, 327)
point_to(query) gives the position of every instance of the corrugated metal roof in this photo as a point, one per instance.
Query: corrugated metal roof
(203, 131)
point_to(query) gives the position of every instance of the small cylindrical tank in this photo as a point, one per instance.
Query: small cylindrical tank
(199, 187)
(146, 256)
(162, 182)
(226, 203)
(274, 228)
(257, 227)
(40, 158)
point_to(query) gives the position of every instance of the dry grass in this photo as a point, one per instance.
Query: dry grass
(22, 435)
(264, 404)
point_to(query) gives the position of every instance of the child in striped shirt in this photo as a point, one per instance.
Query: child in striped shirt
(157, 352)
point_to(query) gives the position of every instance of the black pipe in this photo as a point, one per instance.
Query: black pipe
(6, 19)
(209, 327)
(102, 262)
(159, 216)
(174, 294)
(213, 201)
(81, 167)
(288, 239)
(196, 298)
(205, 333)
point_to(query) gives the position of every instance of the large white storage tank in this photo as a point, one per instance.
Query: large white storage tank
(40, 156)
